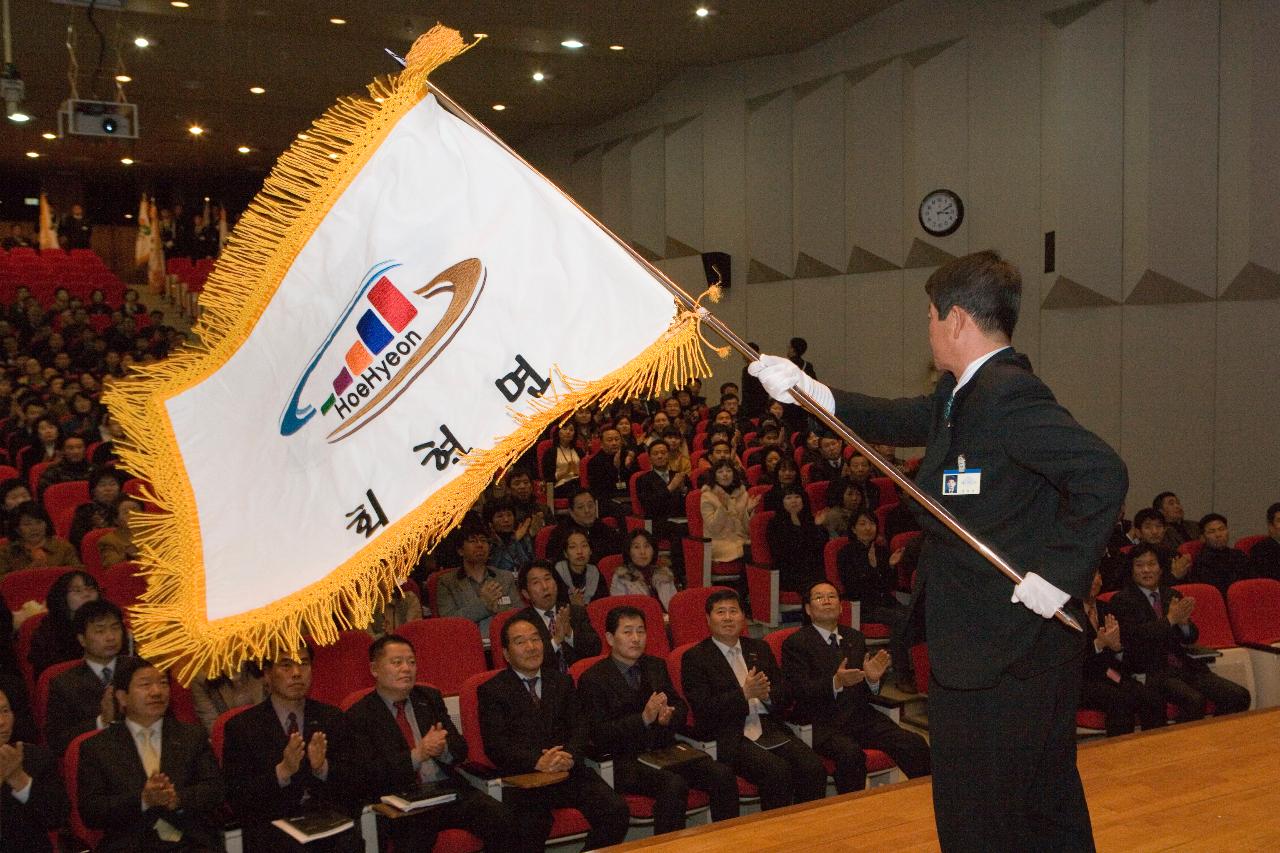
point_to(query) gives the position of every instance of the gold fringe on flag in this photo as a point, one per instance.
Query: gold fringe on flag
(170, 621)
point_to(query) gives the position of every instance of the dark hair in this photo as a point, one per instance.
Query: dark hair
(126, 669)
(496, 506)
(656, 441)
(56, 598)
(836, 490)
(578, 491)
(985, 285)
(734, 485)
(721, 595)
(307, 646)
(864, 513)
(617, 614)
(724, 385)
(11, 484)
(29, 509)
(523, 578)
(518, 471)
(376, 647)
(719, 441)
(103, 474)
(806, 594)
(471, 526)
(800, 345)
(1211, 517)
(769, 427)
(505, 635)
(1272, 511)
(787, 461)
(1140, 550)
(71, 437)
(1144, 515)
(639, 533)
(1159, 499)
(92, 611)
(729, 396)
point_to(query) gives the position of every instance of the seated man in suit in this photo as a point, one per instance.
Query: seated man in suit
(633, 708)
(531, 722)
(1178, 528)
(609, 473)
(149, 782)
(289, 755)
(831, 466)
(32, 800)
(661, 493)
(1107, 683)
(567, 635)
(738, 697)
(81, 699)
(1264, 559)
(1218, 564)
(1151, 528)
(584, 515)
(833, 678)
(1155, 627)
(403, 737)
(476, 590)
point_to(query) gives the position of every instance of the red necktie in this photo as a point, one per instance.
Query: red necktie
(532, 684)
(402, 720)
(292, 728)
(1156, 604)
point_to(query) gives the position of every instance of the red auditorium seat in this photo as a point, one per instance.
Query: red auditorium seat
(688, 615)
(817, 493)
(61, 500)
(1254, 608)
(433, 590)
(22, 649)
(655, 629)
(89, 553)
(70, 772)
(23, 585)
(495, 630)
(1191, 548)
(888, 494)
(449, 650)
(339, 668)
(123, 585)
(1246, 544)
(1209, 615)
(218, 736)
(40, 699)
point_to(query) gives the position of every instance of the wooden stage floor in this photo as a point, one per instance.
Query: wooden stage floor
(1207, 786)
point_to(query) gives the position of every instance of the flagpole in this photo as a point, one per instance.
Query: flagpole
(749, 353)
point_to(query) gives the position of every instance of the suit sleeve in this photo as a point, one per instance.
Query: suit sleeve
(811, 686)
(104, 805)
(715, 705)
(651, 501)
(607, 731)
(1040, 435)
(66, 717)
(578, 727)
(454, 741)
(598, 478)
(381, 766)
(586, 642)
(780, 696)
(202, 790)
(680, 708)
(252, 788)
(903, 422)
(48, 800)
(498, 726)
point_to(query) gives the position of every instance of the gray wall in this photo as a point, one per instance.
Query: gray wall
(1146, 135)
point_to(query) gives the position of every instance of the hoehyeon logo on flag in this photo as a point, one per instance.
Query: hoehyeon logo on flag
(379, 345)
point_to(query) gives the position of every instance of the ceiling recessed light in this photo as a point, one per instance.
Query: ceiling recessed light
(128, 161)
(48, 135)
(20, 117)
(123, 78)
(195, 130)
(499, 107)
(33, 154)
(702, 11)
(538, 77)
(257, 90)
(142, 42)
(244, 149)
(178, 4)
(572, 44)
(338, 21)
(616, 47)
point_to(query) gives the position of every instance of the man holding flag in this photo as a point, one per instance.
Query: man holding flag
(1041, 490)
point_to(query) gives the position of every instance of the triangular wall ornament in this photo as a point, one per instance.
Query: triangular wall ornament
(916, 58)
(1252, 283)
(645, 252)
(675, 126)
(862, 72)
(758, 273)
(808, 266)
(677, 249)
(759, 101)
(860, 261)
(924, 254)
(1156, 289)
(1062, 18)
(1067, 293)
(809, 86)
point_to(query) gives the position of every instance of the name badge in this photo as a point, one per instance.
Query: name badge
(962, 481)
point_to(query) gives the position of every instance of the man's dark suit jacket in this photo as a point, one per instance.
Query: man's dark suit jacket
(586, 642)
(26, 826)
(111, 779)
(614, 710)
(1149, 639)
(659, 502)
(75, 698)
(383, 752)
(809, 664)
(516, 732)
(1051, 491)
(1097, 663)
(254, 741)
(603, 476)
(1264, 560)
(715, 697)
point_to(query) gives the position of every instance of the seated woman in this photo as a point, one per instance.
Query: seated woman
(1107, 684)
(46, 446)
(769, 461)
(585, 427)
(54, 639)
(726, 512)
(32, 543)
(579, 580)
(100, 511)
(215, 696)
(678, 462)
(844, 500)
(868, 573)
(796, 541)
(117, 546)
(658, 426)
(560, 462)
(641, 573)
(787, 475)
(812, 449)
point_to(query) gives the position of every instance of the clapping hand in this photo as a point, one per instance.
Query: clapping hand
(756, 686)
(159, 791)
(432, 744)
(1180, 610)
(554, 760)
(874, 666)
(847, 677)
(562, 628)
(1109, 633)
(317, 752)
(291, 757)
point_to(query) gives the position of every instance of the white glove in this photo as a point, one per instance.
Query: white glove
(1038, 595)
(779, 375)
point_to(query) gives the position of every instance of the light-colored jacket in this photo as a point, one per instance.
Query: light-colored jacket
(726, 526)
